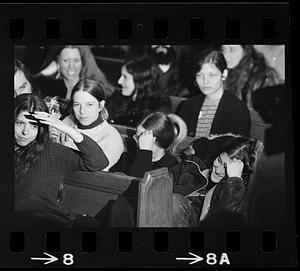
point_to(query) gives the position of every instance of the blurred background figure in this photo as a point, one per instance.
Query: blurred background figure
(64, 66)
(275, 57)
(166, 58)
(268, 205)
(139, 94)
(22, 80)
(248, 71)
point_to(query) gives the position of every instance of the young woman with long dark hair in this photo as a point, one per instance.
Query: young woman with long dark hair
(40, 164)
(139, 93)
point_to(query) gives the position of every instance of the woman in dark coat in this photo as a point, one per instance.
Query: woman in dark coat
(214, 111)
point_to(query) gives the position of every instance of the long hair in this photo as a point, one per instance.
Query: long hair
(96, 89)
(19, 66)
(144, 76)
(235, 146)
(26, 156)
(89, 68)
(251, 73)
(169, 129)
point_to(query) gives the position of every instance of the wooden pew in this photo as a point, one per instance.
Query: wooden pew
(88, 192)
(155, 200)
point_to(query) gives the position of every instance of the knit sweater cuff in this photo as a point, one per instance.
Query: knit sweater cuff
(88, 145)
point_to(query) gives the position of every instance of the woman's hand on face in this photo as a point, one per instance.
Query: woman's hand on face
(234, 168)
(146, 140)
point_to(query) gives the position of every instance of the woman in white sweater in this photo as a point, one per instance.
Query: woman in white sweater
(89, 116)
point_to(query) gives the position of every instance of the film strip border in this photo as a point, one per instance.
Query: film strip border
(162, 23)
(147, 24)
(151, 247)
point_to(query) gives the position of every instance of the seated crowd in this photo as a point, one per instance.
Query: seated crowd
(67, 119)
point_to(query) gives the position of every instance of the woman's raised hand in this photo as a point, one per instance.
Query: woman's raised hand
(234, 168)
(52, 120)
(146, 140)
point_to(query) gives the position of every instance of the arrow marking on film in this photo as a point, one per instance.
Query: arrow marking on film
(51, 259)
(194, 260)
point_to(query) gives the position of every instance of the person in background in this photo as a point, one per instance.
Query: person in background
(40, 164)
(214, 111)
(64, 67)
(275, 57)
(248, 71)
(22, 80)
(24, 83)
(170, 79)
(89, 116)
(139, 93)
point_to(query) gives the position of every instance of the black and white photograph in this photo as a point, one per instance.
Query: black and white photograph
(130, 146)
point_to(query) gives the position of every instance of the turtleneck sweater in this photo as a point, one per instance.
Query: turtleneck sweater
(107, 136)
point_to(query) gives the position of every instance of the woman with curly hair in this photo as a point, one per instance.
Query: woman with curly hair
(248, 71)
(40, 164)
(139, 93)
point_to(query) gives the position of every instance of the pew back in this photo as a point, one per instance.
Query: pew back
(155, 200)
(88, 192)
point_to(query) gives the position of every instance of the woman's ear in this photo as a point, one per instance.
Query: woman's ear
(225, 74)
(101, 105)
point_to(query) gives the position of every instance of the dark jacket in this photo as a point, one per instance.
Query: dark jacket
(232, 115)
(123, 111)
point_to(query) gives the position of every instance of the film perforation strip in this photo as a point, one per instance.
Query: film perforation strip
(196, 28)
(88, 28)
(160, 28)
(53, 242)
(89, 241)
(232, 28)
(52, 28)
(125, 241)
(161, 242)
